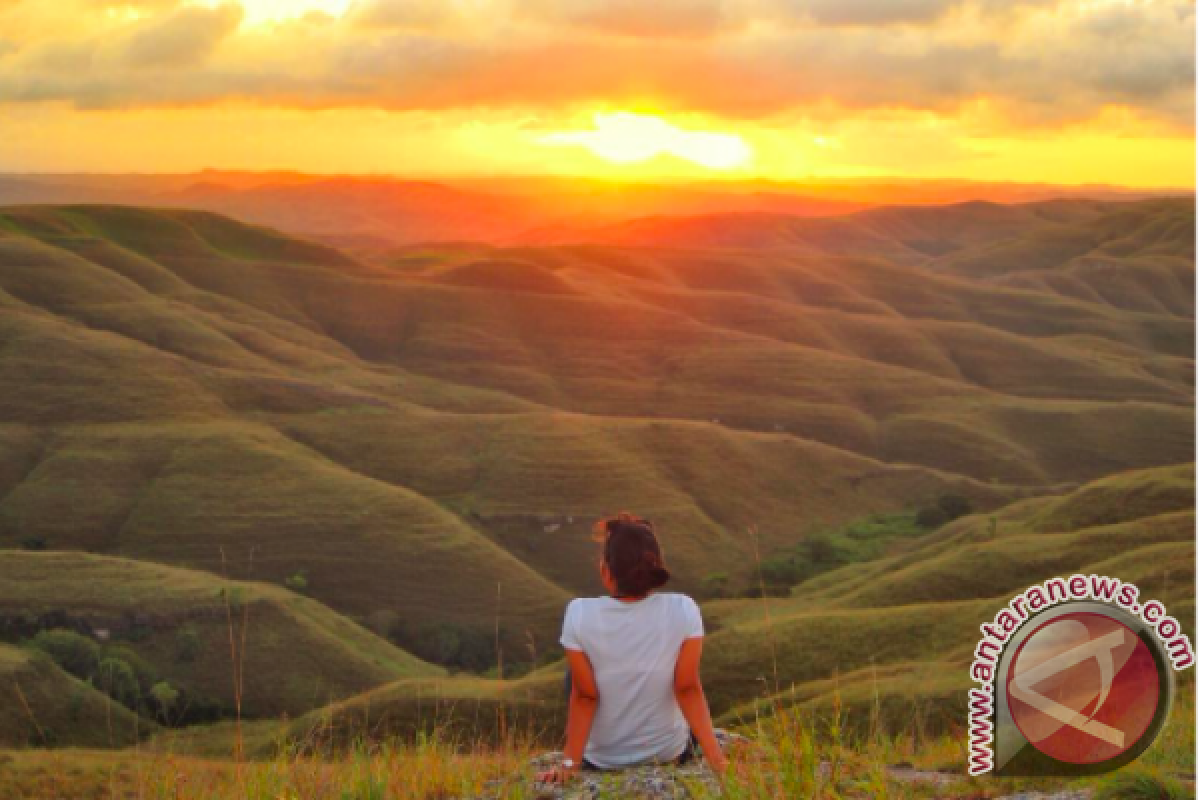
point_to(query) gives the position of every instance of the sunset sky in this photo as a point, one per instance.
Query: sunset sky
(1019, 90)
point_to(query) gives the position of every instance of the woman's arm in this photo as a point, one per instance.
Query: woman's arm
(582, 710)
(690, 696)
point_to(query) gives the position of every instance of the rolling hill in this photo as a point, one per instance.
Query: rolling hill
(178, 622)
(895, 634)
(44, 706)
(423, 437)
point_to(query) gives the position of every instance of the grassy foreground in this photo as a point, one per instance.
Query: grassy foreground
(789, 755)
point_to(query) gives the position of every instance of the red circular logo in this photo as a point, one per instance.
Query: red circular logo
(1083, 688)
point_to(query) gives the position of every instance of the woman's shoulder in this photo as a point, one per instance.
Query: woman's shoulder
(580, 603)
(677, 600)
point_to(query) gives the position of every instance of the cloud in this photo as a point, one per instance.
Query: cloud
(883, 13)
(182, 37)
(867, 12)
(657, 18)
(137, 4)
(401, 14)
(1052, 63)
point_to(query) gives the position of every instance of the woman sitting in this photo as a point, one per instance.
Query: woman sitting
(634, 659)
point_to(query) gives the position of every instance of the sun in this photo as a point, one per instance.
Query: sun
(624, 137)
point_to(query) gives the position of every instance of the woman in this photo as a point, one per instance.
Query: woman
(634, 659)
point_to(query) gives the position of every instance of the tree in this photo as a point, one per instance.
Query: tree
(781, 571)
(75, 653)
(116, 679)
(821, 549)
(143, 670)
(165, 697)
(439, 643)
(954, 506)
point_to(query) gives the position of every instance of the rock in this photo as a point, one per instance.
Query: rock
(650, 782)
(637, 783)
(1070, 794)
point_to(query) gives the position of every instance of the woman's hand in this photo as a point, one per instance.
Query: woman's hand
(559, 775)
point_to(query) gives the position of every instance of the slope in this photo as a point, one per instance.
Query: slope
(895, 634)
(179, 622)
(42, 705)
(431, 437)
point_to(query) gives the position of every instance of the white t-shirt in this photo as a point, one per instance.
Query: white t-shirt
(633, 648)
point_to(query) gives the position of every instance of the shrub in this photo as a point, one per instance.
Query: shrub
(165, 697)
(117, 680)
(75, 653)
(298, 582)
(450, 645)
(143, 670)
(187, 644)
(196, 709)
(782, 571)
(771, 591)
(954, 506)
(33, 543)
(932, 517)
(821, 549)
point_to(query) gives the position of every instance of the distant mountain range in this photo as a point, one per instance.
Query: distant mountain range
(368, 213)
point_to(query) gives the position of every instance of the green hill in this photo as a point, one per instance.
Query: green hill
(924, 602)
(44, 706)
(423, 441)
(895, 633)
(293, 653)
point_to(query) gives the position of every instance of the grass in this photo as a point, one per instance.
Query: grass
(147, 608)
(432, 443)
(397, 413)
(40, 706)
(861, 540)
(789, 753)
(890, 636)
(1143, 785)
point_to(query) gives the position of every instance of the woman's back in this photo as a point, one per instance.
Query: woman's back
(633, 648)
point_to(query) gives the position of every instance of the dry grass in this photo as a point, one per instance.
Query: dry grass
(790, 755)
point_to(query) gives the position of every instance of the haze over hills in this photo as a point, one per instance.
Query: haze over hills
(424, 433)
(373, 212)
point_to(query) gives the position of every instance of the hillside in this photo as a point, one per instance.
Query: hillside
(422, 439)
(178, 622)
(895, 633)
(44, 706)
(924, 602)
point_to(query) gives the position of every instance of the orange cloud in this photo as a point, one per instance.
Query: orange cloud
(182, 37)
(659, 19)
(1037, 64)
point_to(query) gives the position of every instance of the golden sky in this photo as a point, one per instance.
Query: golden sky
(1071, 91)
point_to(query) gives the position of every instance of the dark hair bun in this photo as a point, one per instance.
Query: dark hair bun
(633, 555)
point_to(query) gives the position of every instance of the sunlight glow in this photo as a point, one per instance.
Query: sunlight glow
(623, 137)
